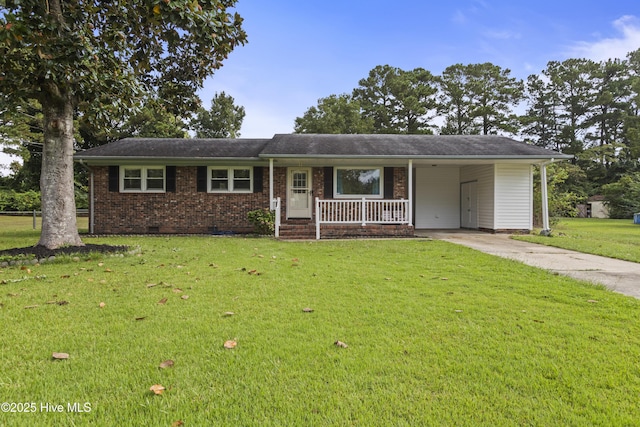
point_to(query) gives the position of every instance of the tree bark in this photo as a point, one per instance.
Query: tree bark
(59, 226)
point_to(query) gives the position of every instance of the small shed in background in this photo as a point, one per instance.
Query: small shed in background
(595, 207)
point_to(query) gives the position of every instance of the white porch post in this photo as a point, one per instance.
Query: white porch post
(410, 178)
(545, 200)
(271, 184)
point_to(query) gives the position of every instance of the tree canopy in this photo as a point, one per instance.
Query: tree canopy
(334, 114)
(223, 120)
(100, 59)
(577, 106)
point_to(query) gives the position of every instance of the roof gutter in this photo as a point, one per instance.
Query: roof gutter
(167, 160)
(414, 157)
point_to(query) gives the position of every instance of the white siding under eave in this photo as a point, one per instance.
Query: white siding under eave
(485, 177)
(437, 201)
(514, 197)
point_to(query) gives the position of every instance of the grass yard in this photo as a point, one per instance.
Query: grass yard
(613, 238)
(437, 334)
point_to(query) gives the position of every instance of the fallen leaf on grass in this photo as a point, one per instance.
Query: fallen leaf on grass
(162, 301)
(538, 321)
(307, 310)
(177, 423)
(184, 297)
(141, 318)
(167, 364)
(176, 290)
(229, 344)
(60, 356)
(102, 305)
(228, 313)
(151, 285)
(32, 306)
(157, 389)
(107, 270)
(592, 301)
(66, 276)
(340, 344)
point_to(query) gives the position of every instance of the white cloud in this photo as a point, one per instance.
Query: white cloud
(502, 34)
(608, 48)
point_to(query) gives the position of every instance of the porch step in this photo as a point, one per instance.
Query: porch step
(297, 231)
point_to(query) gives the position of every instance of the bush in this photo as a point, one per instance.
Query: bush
(623, 197)
(263, 220)
(12, 201)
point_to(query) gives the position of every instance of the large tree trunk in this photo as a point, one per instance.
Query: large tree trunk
(59, 226)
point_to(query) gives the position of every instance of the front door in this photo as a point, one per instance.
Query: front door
(299, 201)
(469, 204)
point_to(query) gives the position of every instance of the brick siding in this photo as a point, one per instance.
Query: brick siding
(191, 212)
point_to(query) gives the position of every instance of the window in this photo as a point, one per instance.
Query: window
(227, 180)
(358, 182)
(142, 178)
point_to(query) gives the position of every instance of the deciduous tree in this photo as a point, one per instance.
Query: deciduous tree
(222, 120)
(100, 58)
(334, 114)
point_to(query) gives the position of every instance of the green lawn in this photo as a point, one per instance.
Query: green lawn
(437, 334)
(613, 238)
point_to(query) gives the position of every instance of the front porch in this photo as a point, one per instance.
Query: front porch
(347, 218)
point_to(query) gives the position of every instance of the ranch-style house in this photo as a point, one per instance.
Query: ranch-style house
(319, 186)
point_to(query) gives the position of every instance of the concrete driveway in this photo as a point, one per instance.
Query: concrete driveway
(619, 276)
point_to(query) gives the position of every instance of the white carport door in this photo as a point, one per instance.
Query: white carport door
(469, 204)
(437, 197)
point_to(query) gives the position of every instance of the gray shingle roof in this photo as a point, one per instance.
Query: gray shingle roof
(407, 146)
(319, 146)
(177, 148)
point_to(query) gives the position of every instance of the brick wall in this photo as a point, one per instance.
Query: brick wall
(188, 211)
(184, 211)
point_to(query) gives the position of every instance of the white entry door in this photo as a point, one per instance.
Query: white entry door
(469, 204)
(299, 201)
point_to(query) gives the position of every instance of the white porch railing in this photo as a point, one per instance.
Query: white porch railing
(275, 206)
(361, 211)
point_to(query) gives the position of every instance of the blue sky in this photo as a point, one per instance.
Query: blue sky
(300, 51)
(303, 50)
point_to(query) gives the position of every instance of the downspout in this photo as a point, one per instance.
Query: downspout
(546, 230)
(271, 204)
(91, 209)
(90, 194)
(410, 179)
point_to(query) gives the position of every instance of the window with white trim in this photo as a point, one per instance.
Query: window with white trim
(358, 182)
(142, 178)
(231, 180)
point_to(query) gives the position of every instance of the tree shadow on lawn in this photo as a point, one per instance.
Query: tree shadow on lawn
(40, 252)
